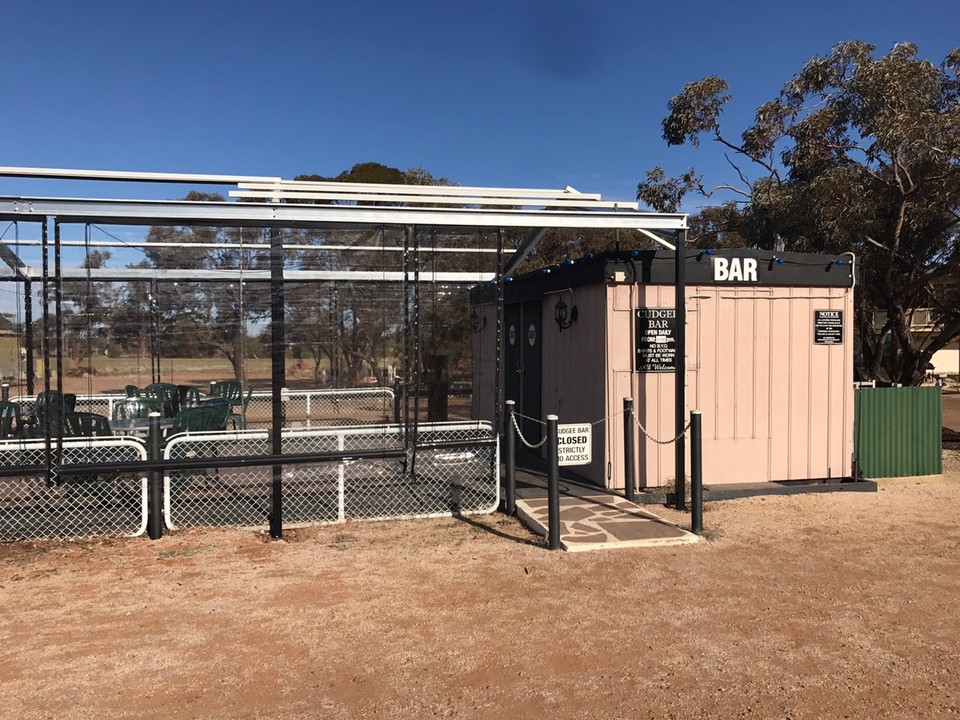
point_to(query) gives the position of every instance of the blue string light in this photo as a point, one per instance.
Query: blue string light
(544, 271)
(779, 261)
(708, 251)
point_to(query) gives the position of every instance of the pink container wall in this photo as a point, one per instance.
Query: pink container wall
(774, 405)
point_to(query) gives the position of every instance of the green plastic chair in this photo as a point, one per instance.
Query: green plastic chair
(168, 394)
(229, 390)
(131, 391)
(203, 418)
(84, 424)
(189, 396)
(48, 411)
(240, 419)
(11, 423)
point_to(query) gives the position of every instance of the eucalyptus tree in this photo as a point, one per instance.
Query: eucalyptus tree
(856, 153)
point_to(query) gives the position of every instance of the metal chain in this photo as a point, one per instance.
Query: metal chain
(661, 442)
(513, 417)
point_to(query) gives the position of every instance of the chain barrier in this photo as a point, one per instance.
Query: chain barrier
(661, 442)
(520, 434)
(597, 422)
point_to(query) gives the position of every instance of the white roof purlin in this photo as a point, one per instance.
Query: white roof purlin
(234, 214)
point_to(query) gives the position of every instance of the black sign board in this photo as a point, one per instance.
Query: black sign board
(828, 327)
(656, 339)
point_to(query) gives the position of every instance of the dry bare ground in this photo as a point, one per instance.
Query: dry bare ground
(816, 606)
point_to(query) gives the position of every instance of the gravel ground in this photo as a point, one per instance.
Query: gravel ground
(808, 606)
(835, 605)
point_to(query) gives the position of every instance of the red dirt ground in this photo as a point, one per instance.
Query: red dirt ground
(834, 605)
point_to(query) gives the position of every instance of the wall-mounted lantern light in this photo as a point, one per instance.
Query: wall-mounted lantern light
(564, 318)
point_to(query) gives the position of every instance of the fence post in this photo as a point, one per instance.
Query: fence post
(696, 473)
(511, 460)
(553, 484)
(6, 392)
(396, 400)
(154, 482)
(629, 485)
(213, 384)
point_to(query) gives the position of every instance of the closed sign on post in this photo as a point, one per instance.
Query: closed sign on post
(573, 444)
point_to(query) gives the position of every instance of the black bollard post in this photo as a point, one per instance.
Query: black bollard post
(213, 384)
(396, 401)
(154, 482)
(510, 438)
(696, 473)
(6, 392)
(553, 484)
(629, 483)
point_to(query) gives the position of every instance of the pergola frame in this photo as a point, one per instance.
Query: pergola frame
(294, 204)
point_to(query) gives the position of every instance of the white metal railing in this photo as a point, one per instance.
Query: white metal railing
(460, 477)
(42, 505)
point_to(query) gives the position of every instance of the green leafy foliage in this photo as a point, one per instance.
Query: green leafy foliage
(857, 153)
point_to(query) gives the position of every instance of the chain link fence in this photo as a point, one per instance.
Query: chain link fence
(452, 469)
(70, 506)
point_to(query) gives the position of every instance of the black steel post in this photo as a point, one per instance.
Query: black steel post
(278, 375)
(510, 440)
(696, 473)
(45, 340)
(629, 482)
(680, 485)
(28, 333)
(213, 385)
(396, 400)
(6, 391)
(553, 484)
(154, 482)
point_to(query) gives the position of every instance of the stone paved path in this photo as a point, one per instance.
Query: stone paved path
(600, 521)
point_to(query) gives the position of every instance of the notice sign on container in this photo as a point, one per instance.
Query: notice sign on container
(573, 443)
(656, 339)
(828, 327)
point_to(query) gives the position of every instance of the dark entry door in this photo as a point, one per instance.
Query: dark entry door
(532, 371)
(512, 354)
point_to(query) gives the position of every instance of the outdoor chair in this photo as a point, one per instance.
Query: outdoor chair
(189, 396)
(240, 419)
(48, 411)
(229, 390)
(168, 394)
(131, 391)
(83, 424)
(11, 423)
(203, 418)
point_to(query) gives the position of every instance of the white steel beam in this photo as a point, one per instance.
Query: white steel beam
(160, 212)
(513, 201)
(124, 176)
(199, 275)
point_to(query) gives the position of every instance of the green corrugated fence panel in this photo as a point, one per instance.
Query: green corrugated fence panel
(897, 431)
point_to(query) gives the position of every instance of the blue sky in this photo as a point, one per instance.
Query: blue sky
(527, 94)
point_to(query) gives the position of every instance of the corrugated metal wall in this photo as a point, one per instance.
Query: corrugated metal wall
(775, 405)
(898, 431)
